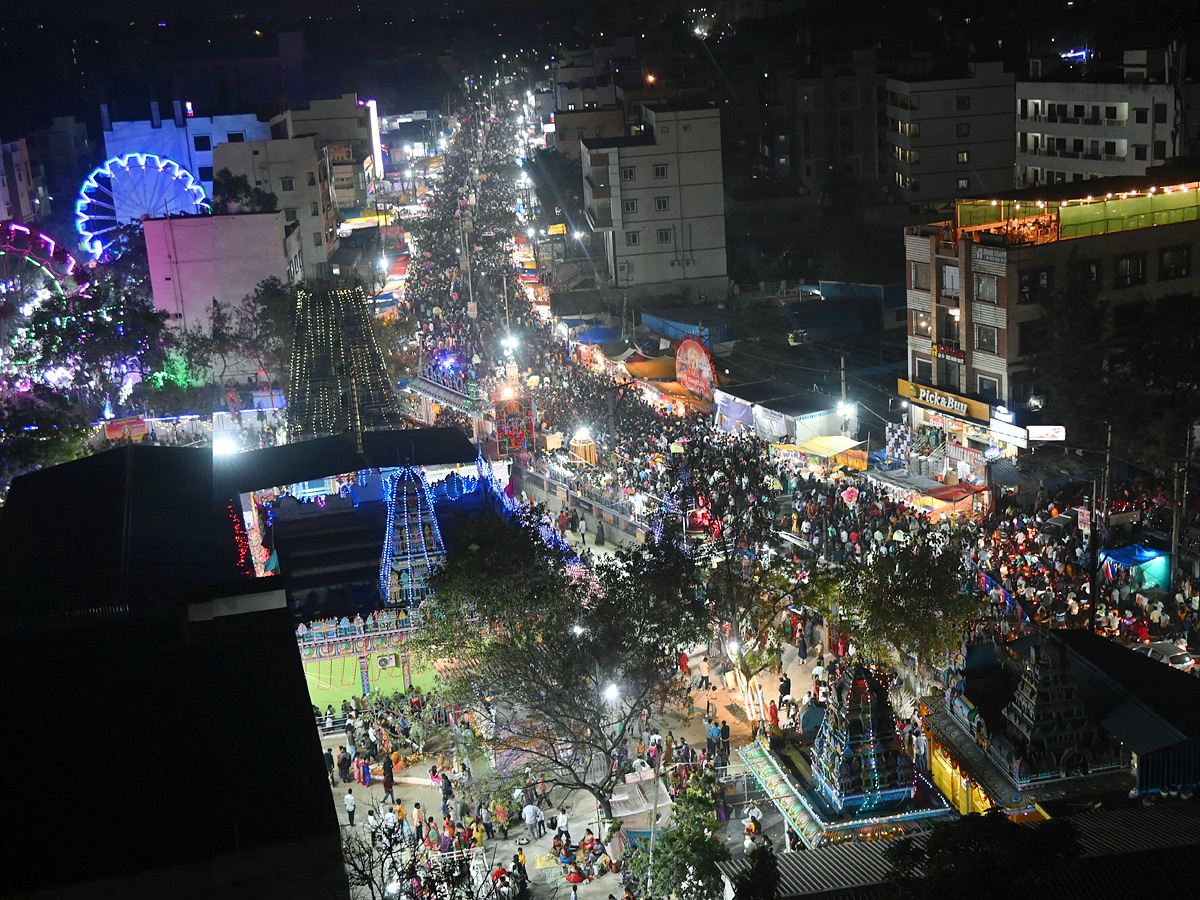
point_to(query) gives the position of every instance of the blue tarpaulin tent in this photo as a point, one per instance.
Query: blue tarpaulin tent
(1133, 555)
(599, 335)
(579, 322)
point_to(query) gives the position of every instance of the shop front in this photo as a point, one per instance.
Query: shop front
(972, 432)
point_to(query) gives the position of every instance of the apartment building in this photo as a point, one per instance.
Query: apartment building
(657, 198)
(974, 281)
(1079, 130)
(66, 154)
(951, 137)
(342, 120)
(835, 115)
(298, 172)
(23, 194)
(185, 138)
(196, 260)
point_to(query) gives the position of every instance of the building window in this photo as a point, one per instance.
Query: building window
(1130, 270)
(987, 338)
(1160, 149)
(985, 288)
(1141, 115)
(962, 129)
(632, 239)
(629, 206)
(660, 170)
(962, 102)
(206, 173)
(236, 137)
(1140, 151)
(1160, 114)
(664, 129)
(628, 173)
(989, 388)
(662, 204)
(317, 242)
(362, 121)
(1174, 262)
(314, 209)
(664, 235)
(579, 134)
(963, 156)
(923, 370)
(202, 142)
(922, 323)
(920, 276)
(291, 215)
(964, 184)
(950, 281)
(287, 184)
(1033, 283)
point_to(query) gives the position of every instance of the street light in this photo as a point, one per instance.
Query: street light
(611, 693)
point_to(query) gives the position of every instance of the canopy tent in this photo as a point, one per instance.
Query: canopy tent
(952, 493)
(1150, 568)
(580, 321)
(599, 335)
(618, 351)
(829, 446)
(1133, 555)
(663, 367)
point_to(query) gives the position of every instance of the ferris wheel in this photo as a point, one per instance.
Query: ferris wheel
(127, 189)
(33, 268)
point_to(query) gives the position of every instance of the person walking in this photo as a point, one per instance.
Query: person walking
(704, 673)
(712, 701)
(530, 815)
(351, 804)
(389, 783)
(563, 828)
(330, 765)
(583, 530)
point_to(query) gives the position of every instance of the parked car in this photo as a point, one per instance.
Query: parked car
(1166, 652)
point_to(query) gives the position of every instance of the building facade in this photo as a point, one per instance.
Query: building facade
(198, 260)
(974, 283)
(186, 139)
(66, 154)
(298, 172)
(343, 120)
(951, 137)
(23, 194)
(658, 200)
(1076, 131)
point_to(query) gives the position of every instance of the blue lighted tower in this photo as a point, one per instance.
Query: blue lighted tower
(412, 544)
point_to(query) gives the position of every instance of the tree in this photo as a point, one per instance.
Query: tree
(233, 194)
(266, 324)
(910, 602)
(400, 350)
(978, 857)
(687, 852)
(555, 663)
(38, 427)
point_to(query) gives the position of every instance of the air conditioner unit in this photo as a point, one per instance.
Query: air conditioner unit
(386, 661)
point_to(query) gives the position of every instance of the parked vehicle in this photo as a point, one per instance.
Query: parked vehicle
(1166, 652)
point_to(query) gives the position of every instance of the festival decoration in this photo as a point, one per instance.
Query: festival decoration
(412, 543)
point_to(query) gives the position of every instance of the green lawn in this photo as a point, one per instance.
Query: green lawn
(330, 681)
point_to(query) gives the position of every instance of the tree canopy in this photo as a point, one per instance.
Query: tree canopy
(38, 427)
(556, 662)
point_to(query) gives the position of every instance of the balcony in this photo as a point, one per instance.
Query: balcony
(599, 190)
(600, 219)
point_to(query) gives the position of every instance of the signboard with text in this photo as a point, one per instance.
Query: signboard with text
(944, 401)
(694, 369)
(1047, 432)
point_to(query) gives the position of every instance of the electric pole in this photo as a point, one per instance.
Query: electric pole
(843, 378)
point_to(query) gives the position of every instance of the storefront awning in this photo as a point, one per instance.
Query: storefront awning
(952, 493)
(598, 335)
(828, 446)
(663, 367)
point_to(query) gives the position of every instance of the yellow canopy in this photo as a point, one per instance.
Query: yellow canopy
(663, 367)
(828, 446)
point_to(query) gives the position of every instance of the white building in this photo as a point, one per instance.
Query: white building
(342, 120)
(186, 139)
(196, 260)
(951, 137)
(658, 200)
(298, 173)
(1079, 130)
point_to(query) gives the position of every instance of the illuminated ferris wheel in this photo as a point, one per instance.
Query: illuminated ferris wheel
(33, 268)
(128, 189)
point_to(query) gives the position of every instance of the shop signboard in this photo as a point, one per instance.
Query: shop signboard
(1047, 432)
(940, 351)
(132, 427)
(944, 401)
(1085, 520)
(558, 228)
(1009, 433)
(694, 369)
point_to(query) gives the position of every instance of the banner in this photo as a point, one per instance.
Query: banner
(133, 427)
(694, 369)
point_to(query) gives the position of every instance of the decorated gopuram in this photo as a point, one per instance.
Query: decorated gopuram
(1013, 732)
(412, 544)
(853, 780)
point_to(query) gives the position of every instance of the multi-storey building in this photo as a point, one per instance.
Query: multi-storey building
(951, 137)
(23, 194)
(658, 200)
(836, 115)
(1079, 130)
(297, 171)
(66, 153)
(974, 283)
(344, 120)
(198, 260)
(186, 138)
